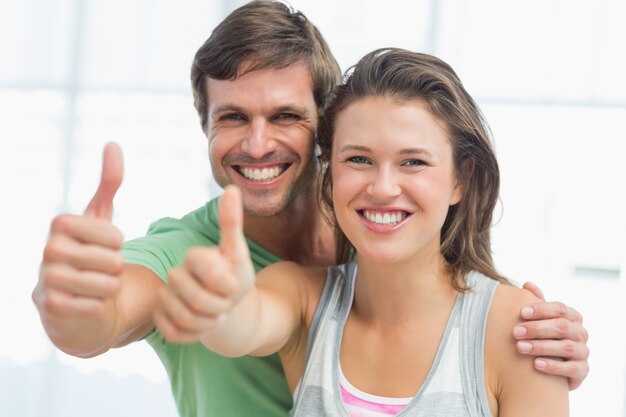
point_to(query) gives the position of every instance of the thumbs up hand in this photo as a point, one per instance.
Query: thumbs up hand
(82, 259)
(101, 204)
(210, 282)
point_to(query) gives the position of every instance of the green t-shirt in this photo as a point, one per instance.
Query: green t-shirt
(206, 384)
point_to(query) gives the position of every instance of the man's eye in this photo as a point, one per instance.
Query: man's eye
(232, 116)
(358, 159)
(287, 116)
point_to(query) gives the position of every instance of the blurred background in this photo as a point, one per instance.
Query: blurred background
(549, 75)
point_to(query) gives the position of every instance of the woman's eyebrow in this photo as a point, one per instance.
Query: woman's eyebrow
(410, 151)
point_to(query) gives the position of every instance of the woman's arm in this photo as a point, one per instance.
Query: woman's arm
(267, 318)
(515, 388)
(213, 296)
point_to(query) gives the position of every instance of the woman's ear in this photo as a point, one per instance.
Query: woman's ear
(463, 177)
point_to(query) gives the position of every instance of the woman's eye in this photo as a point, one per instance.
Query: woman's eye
(358, 159)
(414, 163)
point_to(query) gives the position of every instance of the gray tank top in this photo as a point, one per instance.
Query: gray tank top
(455, 384)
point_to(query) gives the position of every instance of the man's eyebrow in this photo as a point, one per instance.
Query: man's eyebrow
(229, 107)
(226, 107)
(302, 110)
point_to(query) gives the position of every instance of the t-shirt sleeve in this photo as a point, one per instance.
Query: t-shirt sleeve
(165, 245)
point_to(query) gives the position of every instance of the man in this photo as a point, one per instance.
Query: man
(260, 83)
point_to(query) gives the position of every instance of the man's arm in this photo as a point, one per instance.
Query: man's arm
(88, 300)
(553, 330)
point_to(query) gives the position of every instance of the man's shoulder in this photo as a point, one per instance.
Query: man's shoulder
(201, 221)
(168, 239)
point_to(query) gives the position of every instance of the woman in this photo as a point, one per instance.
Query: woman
(417, 324)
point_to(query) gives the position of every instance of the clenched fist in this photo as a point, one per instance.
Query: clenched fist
(210, 282)
(81, 263)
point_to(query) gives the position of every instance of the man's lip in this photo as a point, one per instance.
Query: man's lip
(266, 173)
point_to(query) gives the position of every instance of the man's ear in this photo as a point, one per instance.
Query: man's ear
(463, 177)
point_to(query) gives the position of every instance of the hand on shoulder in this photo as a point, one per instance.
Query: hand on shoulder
(514, 387)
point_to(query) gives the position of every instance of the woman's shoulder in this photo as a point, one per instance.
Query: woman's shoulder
(510, 376)
(508, 296)
(504, 314)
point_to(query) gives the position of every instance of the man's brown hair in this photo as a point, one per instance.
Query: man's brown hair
(263, 34)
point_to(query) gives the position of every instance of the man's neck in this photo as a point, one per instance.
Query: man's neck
(299, 234)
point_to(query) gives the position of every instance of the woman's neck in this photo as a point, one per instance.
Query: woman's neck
(401, 292)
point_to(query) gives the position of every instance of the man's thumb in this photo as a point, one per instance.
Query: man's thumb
(232, 242)
(101, 204)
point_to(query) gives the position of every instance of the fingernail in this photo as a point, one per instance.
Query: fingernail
(524, 347)
(519, 331)
(541, 364)
(527, 312)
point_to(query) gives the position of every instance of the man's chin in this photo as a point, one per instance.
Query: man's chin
(264, 210)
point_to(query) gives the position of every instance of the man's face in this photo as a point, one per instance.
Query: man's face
(260, 129)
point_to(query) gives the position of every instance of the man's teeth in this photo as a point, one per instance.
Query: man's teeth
(263, 174)
(388, 217)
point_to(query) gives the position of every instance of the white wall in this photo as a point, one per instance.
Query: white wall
(77, 73)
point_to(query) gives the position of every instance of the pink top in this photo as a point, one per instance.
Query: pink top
(362, 404)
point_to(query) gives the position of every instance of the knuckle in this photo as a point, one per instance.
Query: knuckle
(573, 368)
(584, 335)
(174, 277)
(560, 309)
(60, 223)
(576, 316)
(585, 354)
(167, 330)
(52, 304)
(570, 349)
(54, 249)
(54, 276)
(585, 370)
(183, 319)
(562, 327)
(170, 334)
(198, 302)
(111, 286)
(117, 263)
(194, 255)
(117, 238)
(211, 280)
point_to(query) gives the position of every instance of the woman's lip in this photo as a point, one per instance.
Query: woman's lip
(384, 221)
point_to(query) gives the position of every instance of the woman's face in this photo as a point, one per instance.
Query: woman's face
(393, 178)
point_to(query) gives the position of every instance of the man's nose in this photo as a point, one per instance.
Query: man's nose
(260, 140)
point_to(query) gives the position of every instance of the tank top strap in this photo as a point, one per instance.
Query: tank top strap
(474, 311)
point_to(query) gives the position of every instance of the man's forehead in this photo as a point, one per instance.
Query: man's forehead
(288, 86)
